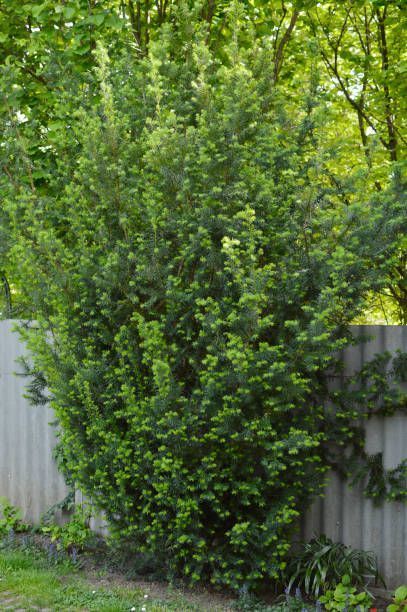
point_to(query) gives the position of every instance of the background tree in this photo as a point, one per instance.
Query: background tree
(363, 50)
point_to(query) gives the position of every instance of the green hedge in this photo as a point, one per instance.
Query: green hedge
(196, 268)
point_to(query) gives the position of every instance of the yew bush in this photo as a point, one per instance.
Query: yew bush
(193, 272)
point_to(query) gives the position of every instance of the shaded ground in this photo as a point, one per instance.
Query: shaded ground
(28, 582)
(32, 579)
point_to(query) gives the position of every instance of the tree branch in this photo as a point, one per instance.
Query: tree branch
(278, 60)
(387, 98)
(7, 292)
(135, 21)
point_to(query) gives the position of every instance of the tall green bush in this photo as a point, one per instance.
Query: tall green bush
(193, 272)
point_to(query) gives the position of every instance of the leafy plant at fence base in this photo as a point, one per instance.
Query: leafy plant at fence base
(345, 597)
(193, 274)
(319, 565)
(399, 600)
(72, 535)
(11, 518)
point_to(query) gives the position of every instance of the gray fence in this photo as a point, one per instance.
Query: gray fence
(345, 514)
(29, 478)
(28, 474)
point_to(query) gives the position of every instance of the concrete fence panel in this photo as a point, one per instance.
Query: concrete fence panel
(345, 514)
(28, 474)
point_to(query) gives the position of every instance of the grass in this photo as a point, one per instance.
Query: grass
(34, 576)
(29, 581)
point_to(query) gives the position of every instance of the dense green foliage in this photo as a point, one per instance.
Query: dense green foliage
(46, 50)
(193, 243)
(197, 272)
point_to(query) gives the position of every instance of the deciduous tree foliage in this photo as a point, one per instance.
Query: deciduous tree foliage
(362, 46)
(196, 271)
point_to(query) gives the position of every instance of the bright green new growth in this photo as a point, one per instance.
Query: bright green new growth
(399, 600)
(345, 597)
(196, 272)
(10, 518)
(72, 535)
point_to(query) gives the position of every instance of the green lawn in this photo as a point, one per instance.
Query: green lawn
(29, 582)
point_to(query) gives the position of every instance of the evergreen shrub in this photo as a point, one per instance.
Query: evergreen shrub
(192, 272)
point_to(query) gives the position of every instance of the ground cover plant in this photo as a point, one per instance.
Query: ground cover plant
(399, 600)
(346, 596)
(11, 518)
(37, 574)
(193, 270)
(74, 534)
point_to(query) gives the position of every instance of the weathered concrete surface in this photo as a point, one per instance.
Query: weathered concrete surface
(28, 474)
(345, 514)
